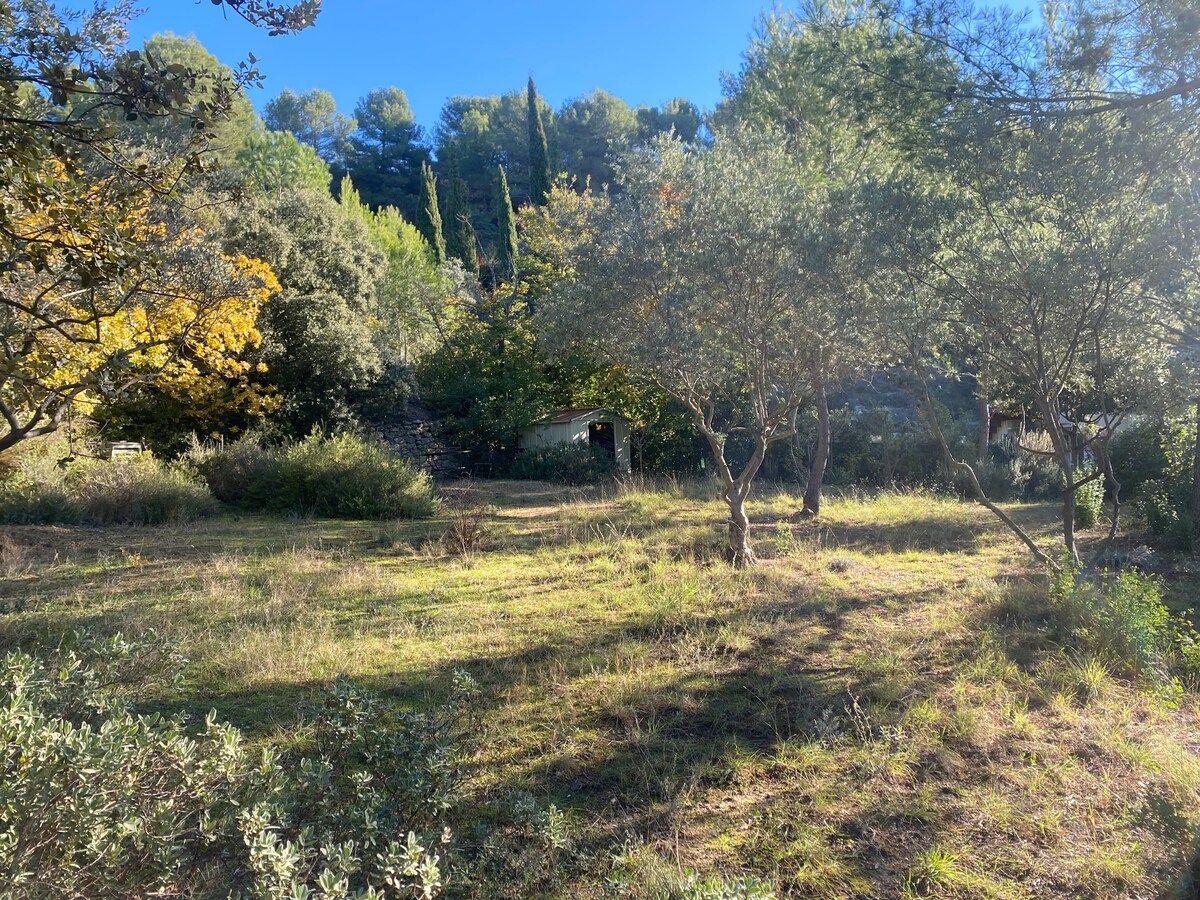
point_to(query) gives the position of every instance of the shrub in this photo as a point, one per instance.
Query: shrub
(142, 491)
(564, 463)
(102, 801)
(1028, 470)
(1122, 615)
(1167, 504)
(242, 473)
(1150, 450)
(44, 487)
(35, 492)
(1089, 498)
(343, 475)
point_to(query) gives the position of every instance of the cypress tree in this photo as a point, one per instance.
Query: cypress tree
(429, 219)
(506, 229)
(540, 176)
(460, 236)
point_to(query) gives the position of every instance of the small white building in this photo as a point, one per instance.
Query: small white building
(593, 426)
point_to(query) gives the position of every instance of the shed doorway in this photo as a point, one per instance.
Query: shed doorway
(601, 434)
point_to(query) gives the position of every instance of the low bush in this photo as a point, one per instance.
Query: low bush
(47, 486)
(1027, 469)
(35, 491)
(142, 491)
(564, 463)
(1089, 498)
(101, 801)
(1166, 503)
(1123, 616)
(343, 476)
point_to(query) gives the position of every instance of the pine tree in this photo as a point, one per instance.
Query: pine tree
(429, 219)
(506, 229)
(460, 236)
(540, 176)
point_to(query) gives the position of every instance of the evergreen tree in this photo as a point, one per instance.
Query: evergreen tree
(387, 151)
(429, 219)
(460, 236)
(506, 229)
(540, 176)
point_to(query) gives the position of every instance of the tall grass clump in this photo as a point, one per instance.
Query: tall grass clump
(46, 485)
(341, 475)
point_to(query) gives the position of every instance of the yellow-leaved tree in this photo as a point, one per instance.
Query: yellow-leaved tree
(178, 313)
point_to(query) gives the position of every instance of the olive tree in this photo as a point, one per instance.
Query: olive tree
(696, 277)
(846, 128)
(1042, 252)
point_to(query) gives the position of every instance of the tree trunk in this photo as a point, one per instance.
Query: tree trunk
(740, 552)
(985, 427)
(820, 460)
(1196, 474)
(1068, 520)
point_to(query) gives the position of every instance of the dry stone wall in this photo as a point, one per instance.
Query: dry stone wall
(417, 434)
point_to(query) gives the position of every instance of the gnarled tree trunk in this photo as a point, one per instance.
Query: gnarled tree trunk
(740, 551)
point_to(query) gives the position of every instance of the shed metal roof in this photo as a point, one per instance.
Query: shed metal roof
(570, 415)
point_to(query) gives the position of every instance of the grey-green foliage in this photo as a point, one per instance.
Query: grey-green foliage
(318, 337)
(340, 475)
(276, 162)
(697, 276)
(100, 800)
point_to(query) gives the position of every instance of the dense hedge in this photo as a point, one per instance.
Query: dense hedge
(102, 801)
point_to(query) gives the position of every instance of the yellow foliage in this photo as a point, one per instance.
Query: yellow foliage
(162, 307)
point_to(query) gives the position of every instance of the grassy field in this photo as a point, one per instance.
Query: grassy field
(886, 707)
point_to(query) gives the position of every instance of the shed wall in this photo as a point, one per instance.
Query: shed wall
(576, 432)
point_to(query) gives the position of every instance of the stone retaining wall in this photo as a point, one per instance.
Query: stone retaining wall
(418, 435)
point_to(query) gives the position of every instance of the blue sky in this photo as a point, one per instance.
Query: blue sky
(644, 51)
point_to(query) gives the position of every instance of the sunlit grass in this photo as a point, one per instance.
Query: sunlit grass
(885, 707)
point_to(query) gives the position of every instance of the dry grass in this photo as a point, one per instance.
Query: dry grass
(885, 708)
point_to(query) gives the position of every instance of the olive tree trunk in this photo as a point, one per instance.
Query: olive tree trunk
(820, 460)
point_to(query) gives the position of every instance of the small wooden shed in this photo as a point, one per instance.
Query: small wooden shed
(589, 426)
